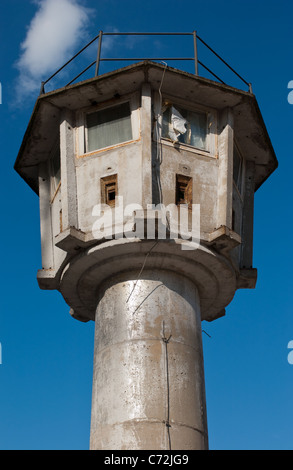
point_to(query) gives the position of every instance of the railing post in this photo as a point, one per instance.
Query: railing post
(99, 54)
(42, 90)
(195, 53)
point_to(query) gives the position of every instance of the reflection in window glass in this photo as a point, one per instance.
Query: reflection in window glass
(185, 126)
(108, 127)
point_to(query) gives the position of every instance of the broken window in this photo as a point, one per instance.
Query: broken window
(108, 127)
(185, 126)
(109, 190)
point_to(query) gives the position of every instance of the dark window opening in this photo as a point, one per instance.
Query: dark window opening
(184, 190)
(111, 194)
(109, 190)
(233, 220)
(181, 195)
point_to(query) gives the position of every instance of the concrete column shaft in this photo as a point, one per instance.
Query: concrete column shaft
(148, 381)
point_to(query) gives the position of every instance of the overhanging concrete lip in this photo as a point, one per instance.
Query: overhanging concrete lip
(250, 129)
(213, 275)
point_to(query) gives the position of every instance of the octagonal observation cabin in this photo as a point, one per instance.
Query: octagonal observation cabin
(151, 134)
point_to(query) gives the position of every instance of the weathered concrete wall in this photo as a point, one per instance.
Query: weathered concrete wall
(45, 217)
(225, 180)
(148, 383)
(56, 221)
(125, 161)
(204, 173)
(237, 205)
(248, 217)
(139, 175)
(170, 159)
(144, 166)
(51, 220)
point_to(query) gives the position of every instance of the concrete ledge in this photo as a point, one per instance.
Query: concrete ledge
(213, 275)
(223, 239)
(247, 278)
(71, 239)
(47, 279)
(92, 261)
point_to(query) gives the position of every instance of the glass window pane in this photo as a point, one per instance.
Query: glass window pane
(109, 126)
(185, 126)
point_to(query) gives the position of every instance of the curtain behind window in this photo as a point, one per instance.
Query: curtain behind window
(108, 127)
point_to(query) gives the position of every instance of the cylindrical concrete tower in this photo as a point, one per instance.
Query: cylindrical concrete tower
(146, 178)
(155, 399)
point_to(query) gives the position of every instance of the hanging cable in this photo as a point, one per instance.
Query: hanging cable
(140, 272)
(159, 159)
(159, 133)
(167, 422)
(158, 164)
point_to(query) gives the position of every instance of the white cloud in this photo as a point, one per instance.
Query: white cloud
(55, 30)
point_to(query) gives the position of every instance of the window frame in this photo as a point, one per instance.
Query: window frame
(212, 126)
(82, 131)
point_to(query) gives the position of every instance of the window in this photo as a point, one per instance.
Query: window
(237, 168)
(184, 190)
(182, 125)
(233, 219)
(55, 169)
(109, 190)
(108, 127)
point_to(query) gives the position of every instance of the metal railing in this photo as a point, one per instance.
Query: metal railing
(100, 59)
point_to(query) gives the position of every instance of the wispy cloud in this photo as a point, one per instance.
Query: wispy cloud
(54, 31)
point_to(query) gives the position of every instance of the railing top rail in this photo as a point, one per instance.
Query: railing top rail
(100, 59)
(146, 34)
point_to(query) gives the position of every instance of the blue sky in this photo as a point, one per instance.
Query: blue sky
(46, 369)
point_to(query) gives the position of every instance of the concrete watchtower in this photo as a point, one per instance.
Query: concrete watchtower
(102, 155)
